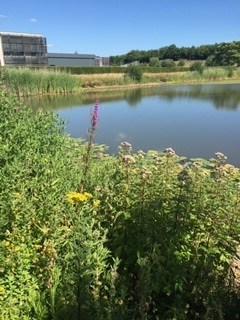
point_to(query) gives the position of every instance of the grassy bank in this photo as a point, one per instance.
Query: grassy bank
(84, 235)
(26, 82)
(113, 80)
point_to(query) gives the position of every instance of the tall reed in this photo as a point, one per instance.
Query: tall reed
(25, 82)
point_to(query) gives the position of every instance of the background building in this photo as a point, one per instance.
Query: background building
(102, 61)
(22, 49)
(71, 60)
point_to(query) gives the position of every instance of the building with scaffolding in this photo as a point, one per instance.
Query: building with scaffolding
(23, 49)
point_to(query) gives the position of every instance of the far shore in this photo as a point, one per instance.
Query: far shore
(157, 84)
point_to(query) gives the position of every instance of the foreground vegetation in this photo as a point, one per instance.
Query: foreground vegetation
(86, 235)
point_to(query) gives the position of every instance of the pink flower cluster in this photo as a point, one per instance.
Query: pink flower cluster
(95, 116)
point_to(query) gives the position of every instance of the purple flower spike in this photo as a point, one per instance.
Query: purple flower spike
(95, 115)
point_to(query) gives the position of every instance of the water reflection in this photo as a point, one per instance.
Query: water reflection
(225, 96)
(196, 121)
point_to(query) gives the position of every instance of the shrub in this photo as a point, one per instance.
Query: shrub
(154, 62)
(197, 66)
(135, 73)
(230, 72)
(168, 63)
(181, 63)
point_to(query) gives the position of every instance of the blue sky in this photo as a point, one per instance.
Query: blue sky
(110, 27)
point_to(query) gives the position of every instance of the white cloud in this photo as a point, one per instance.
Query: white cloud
(2, 16)
(50, 45)
(34, 20)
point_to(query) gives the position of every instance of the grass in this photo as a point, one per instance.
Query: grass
(86, 235)
(25, 82)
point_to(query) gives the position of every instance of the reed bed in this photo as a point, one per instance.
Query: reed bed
(25, 82)
(28, 82)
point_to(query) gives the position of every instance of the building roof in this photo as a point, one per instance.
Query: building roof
(20, 34)
(71, 55)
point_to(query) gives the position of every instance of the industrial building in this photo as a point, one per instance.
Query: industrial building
(23, 49)
(71, 60)
(102, 61)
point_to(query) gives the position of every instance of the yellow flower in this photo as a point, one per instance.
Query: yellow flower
(96, 204)
(2, 290)
(77, 197)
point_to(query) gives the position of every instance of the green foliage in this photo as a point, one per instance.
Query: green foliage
(197, 66)
(170, 52)
(145, 236)
(230, 72)
(181, 63)
(219, 54)
(115, 69)
(154, 62)
(23, 82)
(168, 63)
(134, 72)
(226, 54)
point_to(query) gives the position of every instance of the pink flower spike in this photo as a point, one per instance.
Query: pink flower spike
(95, 115)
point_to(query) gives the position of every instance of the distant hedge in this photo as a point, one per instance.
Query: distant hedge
(98, 70)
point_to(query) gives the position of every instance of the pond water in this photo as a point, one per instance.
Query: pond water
(196, 121)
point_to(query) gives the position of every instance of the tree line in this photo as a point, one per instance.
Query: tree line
(214, 54)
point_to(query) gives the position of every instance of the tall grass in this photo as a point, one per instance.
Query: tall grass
(208, 74)
(135, 236)
(24, 82)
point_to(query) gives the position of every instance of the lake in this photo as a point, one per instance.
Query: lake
(195, 120)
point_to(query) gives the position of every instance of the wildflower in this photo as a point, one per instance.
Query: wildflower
(96, 204)
(2, 290)
(77, 197)
(125, 147)
(127, 159)
(220, 156)
(141, 154)
(227, 169)
(146, 174)
(170, 152)
(95, 116)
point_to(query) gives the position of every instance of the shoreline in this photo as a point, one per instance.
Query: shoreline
(132, 86)
(156, 84)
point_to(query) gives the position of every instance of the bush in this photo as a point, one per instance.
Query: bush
(197, 66)
(135, 73)
(154, 62)
(181, 63)
(230, 72)
(168, 63)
